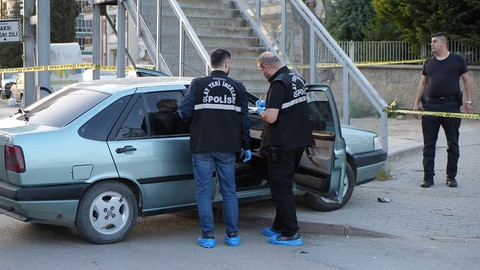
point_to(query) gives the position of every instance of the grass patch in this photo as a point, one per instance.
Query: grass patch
(384, 174)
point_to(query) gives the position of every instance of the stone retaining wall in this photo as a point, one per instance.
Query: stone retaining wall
(400, 82)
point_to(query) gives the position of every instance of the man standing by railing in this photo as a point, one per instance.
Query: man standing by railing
(439, 90)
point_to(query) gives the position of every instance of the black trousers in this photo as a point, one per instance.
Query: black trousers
(430, 128)
(281, 167)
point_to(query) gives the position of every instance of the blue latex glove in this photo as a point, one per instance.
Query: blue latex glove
(247, 154)
(260, 104)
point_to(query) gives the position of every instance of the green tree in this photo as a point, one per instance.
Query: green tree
(62, 20)
(417, 20)
(62, 29)
(346, 19)
(381, 29)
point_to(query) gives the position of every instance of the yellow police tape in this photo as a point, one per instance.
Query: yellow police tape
(440, 114)
(62, 67)
(358, 64)
(129, 68)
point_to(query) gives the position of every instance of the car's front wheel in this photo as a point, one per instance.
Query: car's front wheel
(324, 204)
(107, 213)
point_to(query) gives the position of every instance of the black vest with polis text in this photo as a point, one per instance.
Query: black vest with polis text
(217, 121)
(292, 129)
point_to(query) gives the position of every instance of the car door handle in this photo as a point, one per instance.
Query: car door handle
(125, 149)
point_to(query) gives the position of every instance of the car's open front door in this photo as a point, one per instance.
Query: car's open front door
(322, 168)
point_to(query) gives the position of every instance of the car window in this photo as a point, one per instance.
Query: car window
(135, 125)
(163, 117)
(154, 115)
(61, 108)
(100, 125)
(319, 112)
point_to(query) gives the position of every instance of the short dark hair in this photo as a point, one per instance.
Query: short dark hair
(441, 34)
(218, 56)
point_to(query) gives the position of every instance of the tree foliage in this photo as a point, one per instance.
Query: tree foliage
(62, 29)
(381, 29)
(62, 20)
(347, 19)
(417, 20)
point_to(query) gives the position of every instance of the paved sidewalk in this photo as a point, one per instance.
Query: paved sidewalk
(438, 212)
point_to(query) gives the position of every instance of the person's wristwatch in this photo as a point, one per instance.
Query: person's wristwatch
(469, 102)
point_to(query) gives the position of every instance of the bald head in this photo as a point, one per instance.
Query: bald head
(269, 59)
(269, 64)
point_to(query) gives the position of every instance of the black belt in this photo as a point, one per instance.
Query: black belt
(441, 100)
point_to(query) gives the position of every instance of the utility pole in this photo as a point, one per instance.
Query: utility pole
(28, 52)
(43, 44)
(36, 46)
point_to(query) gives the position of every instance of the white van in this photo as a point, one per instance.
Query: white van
(65, 53)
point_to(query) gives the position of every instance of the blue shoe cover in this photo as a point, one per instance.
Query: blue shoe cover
(285, 241)
(232, 241)
(269, 232)
(206, 242)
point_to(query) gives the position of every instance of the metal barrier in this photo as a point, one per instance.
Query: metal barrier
(399, 52)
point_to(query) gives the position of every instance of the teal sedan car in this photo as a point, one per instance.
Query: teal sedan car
(97, 155)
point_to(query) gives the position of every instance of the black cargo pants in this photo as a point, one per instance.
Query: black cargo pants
(430, 128)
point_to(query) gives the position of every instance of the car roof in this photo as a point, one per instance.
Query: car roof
(119, 84)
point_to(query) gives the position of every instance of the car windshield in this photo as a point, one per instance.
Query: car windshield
(62, 107)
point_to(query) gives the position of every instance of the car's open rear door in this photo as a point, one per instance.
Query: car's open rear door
(322, 167)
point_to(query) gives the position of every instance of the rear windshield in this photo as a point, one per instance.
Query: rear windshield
(61, 108)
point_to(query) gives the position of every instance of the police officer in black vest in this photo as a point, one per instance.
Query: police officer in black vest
(217, 107)
(287, 132)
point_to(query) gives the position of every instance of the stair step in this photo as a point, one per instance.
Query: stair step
(207, 3)
(212, 12)
(239, 42)
(212, 21)
(222, 31)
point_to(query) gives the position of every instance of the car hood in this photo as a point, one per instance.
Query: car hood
(358, 140)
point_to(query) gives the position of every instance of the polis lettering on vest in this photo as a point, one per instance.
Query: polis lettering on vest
(219, 99)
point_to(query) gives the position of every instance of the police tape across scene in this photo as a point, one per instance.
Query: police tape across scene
(432, 113)
(62, 67)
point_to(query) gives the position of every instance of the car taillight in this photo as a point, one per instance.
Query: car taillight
(14, 159)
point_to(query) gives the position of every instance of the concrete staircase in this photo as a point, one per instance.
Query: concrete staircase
(218, 24)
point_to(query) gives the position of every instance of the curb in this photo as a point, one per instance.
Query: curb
(405, 153)
(321, 228)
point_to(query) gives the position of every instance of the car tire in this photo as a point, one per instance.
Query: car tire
(324, 204)
(107, 212)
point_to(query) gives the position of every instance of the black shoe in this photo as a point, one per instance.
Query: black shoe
(451, 182)
(427, 183)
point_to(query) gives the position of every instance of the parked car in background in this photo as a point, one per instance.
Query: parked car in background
(113, 150)
(137, 72)
(8, 79)
(147, 72)
(17, 87)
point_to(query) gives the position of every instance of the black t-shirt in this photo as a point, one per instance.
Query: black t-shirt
(443, 75)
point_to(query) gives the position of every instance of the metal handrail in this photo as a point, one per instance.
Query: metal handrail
(152, 46)
(187, 27)
(349, 68)
(147, 37)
